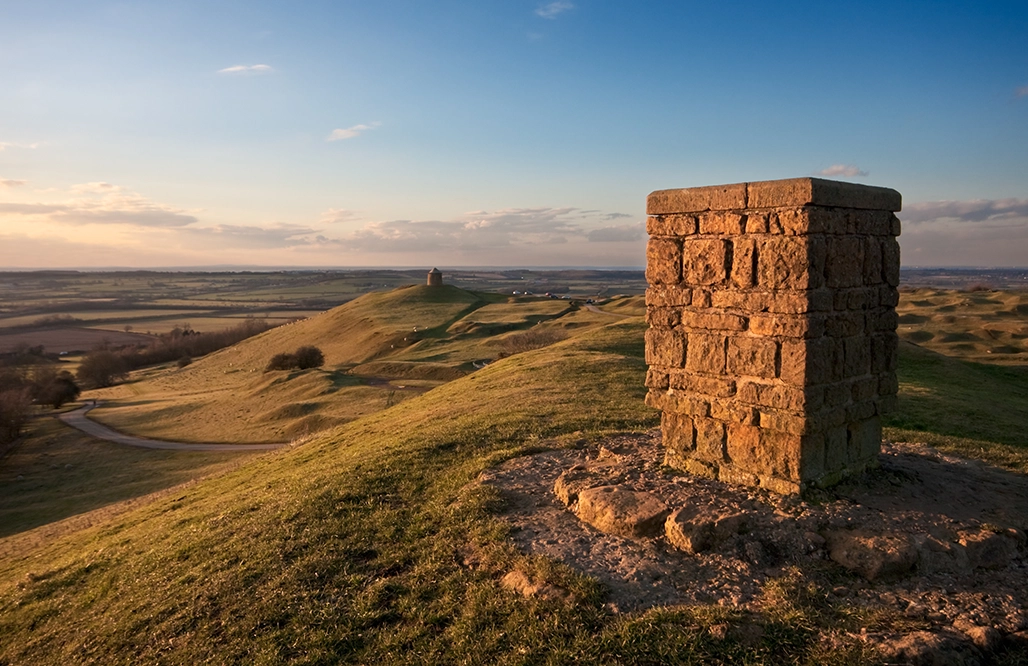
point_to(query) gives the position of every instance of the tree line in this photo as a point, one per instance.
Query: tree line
(30, 376)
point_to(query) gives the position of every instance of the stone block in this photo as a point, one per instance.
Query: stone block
(790, 263)
(749, 301)
(706, 353)
(732, 411)
(857, 352)
(781, 396)
(663, 261)
(872, 261)
(820, 192)
(751, 356)
(618, 510)
(663, 317)
(808, 362)
(836, 448)
(717, 387)
(724, 223)
(671, 225)
(677, 432)
(782, 454)
(744, 262)
(658, 378)
(665, 347)
(710, 440)
(705, 261)
(891, 262)
(844, 265)
(668, 295)
(756, 222)
(697, 199)
(789, 326)
(713, 321)
(744, 447)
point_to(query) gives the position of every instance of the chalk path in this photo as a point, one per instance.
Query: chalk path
(77, 419)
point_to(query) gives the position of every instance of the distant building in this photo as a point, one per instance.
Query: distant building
(435, 278)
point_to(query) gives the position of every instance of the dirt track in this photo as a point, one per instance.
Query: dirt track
(77, 419)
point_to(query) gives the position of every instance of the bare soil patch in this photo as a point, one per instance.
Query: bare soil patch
(940, 506)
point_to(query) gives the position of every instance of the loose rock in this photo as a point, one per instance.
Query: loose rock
(618, 510)
(872, 555)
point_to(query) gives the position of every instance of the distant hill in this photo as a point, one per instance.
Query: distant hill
(380, 349)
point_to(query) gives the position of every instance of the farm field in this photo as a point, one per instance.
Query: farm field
(367, 541)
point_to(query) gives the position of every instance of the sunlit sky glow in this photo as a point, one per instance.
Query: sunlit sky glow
(491, 132)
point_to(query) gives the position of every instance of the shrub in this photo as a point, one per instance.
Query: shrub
(309, 357)
(14, 412)
(55, 388)
(281, 362)
(304, 358)
(102, 368)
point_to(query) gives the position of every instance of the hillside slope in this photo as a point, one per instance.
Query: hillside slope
(346, 548)
(379, 350)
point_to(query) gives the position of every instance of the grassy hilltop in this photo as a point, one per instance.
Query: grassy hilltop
(368, 543)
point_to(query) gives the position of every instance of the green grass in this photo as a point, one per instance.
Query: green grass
(350, 548)
(370, 543)
(969, 408)
(56, 472)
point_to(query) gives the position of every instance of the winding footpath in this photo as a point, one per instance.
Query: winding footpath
(77, 419)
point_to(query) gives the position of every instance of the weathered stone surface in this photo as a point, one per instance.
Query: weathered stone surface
(620, 511)
(697, 199)
(872, 556)
(671, 225)
(707, 261)
(924, 648)
(987, 549)
(696, 530)
(663, 261)
(751, 356)
(778, 313)
(820, 192)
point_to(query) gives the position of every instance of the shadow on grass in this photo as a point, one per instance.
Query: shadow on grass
(962, 399)
(57, 472)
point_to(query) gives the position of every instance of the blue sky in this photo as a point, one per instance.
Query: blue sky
(458, 133)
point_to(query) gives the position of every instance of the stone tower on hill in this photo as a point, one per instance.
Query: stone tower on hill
(435, 278)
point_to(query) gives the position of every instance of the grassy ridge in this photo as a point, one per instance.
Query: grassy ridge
(368, 545)
(353, 548)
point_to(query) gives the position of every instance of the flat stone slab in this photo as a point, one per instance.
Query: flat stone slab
(773, 194)
(618, 510)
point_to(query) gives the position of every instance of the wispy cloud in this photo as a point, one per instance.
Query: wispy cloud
(625, 233)
(485, 231)
(102, 203)
(351, 132)
(338, 215)
(974, 210)
(246, 69)
(1021, 92)
(553, 9)
(10, 182)
(978, 232)
(846, 170)
(238, 236)
(4, 145)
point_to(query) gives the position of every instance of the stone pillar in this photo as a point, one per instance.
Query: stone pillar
(772, 341)
(435, 278)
